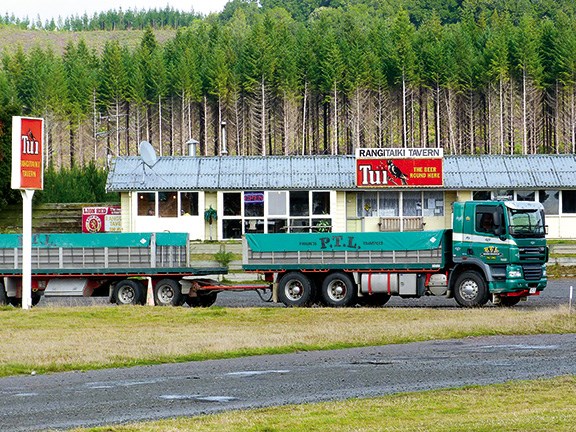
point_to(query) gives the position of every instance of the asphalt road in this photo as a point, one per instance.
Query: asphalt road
(115, 396)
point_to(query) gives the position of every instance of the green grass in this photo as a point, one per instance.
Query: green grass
(540, 405)
(79, 338)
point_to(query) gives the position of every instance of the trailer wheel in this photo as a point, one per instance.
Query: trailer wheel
(35, 298)
(338, 290)
(128, 292)
(167, 292)
(295, 290)
(15, 301)
(202, 300)
(373, 300)
(471, 290)
(3, 296)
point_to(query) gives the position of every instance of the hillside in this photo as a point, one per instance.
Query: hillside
(12, 37)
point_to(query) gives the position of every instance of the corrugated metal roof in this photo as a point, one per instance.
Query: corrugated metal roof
(331, 173)
(504, 172)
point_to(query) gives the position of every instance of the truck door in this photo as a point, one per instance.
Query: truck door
(488, 227)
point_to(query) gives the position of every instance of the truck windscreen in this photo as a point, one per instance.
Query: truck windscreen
(526, 223)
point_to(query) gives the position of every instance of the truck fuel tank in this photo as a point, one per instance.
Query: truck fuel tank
(403, 284)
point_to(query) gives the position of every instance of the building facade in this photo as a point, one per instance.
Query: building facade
(377, 190)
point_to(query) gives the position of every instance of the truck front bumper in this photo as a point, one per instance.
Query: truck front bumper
(516, 286)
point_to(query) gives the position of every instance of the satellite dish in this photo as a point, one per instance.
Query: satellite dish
(148, 154)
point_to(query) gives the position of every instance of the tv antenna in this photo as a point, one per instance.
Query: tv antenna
(149, 158)
(148, 154)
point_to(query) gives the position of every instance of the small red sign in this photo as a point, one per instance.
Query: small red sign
(27, 160)
(101, 219)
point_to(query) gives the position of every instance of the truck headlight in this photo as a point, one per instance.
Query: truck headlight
(514, 272)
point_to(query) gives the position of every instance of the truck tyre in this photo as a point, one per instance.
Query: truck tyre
(295, 290)
(338, 290)
(128, 292)
(202, 300)
(3, 296)
(471, 290)
(373, 300)
(35, 298)
(167, 292)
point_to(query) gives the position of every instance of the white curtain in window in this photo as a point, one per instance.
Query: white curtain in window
(412, 204)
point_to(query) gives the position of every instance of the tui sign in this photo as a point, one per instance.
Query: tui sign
(27, 161)
(398, 167)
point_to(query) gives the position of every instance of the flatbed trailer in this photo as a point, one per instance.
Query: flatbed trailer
(127, 267)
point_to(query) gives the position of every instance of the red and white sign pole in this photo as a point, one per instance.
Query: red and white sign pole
(28, 176)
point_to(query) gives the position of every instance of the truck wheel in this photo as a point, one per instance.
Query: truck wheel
(3, 296)
(471, 290)
(202, 300)
(373, 300)
(128, 292)
(509, 301)
(295, 289)
(35, 298)
(338, 290)
(15, 301)
(167, 292)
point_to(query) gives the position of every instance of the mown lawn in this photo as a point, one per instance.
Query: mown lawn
(77, 338)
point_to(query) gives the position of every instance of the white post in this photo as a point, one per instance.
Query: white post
(570, 302)
(27, 195)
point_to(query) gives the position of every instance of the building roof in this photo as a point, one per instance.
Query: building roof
(482, 172)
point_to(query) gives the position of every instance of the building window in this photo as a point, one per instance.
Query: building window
(232, 215)
(299, 203)
(367, 204)
(232, 206)
(253, 204)
(146, 203)
(523, 195)
(277, 225)
(277, 203)
(550, 199)
(568, 201)
(275, 212)
(320, 203)
(388, 204)
(481, 195)
(433, 204)
(412, 204)
(189, 203)
(168, 204)
(397, 204)
(503, 194)
(232, 228)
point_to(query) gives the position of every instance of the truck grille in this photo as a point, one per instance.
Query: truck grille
(533, 253)
(532, 272)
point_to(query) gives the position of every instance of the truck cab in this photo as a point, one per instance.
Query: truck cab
(504, 244)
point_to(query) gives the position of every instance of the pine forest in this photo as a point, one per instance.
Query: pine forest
(307, 77)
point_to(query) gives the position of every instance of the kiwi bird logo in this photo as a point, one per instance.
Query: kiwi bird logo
(397, 173)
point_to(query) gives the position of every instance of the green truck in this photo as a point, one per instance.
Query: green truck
(129, 268)
(496, 250)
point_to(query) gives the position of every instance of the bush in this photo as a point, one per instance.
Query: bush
(75, 185)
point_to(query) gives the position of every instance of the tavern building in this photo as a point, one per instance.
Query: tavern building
(374, 190)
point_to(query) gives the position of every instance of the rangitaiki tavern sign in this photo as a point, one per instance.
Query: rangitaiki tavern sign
(398, 167)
